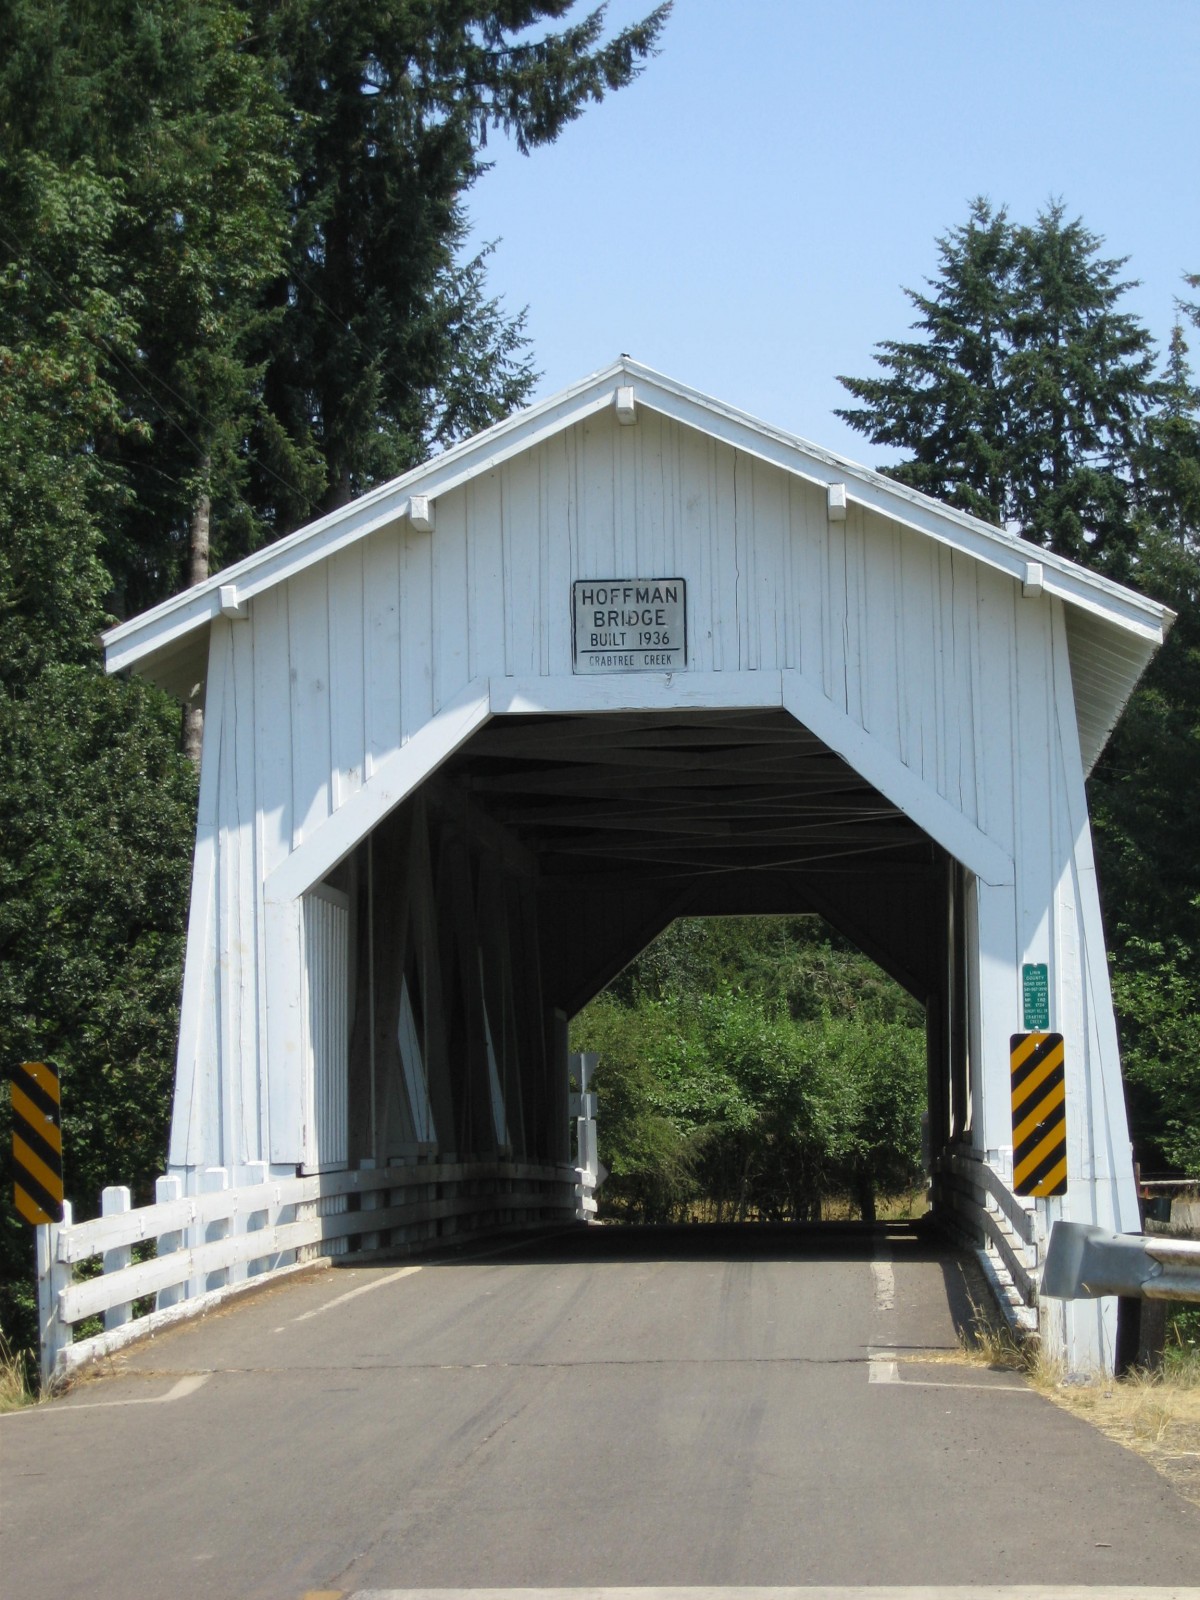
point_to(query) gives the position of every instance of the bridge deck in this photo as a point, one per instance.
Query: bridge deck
(620, 1407)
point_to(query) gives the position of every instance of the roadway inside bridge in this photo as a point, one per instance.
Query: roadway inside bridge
(611, 1406)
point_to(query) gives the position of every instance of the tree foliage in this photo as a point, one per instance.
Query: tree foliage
(1029, 398)
(97, 813)
(1142, 797)
(1022, 399)
(231, 295)
(96, 804)
(289, 186)
(385, 345)
(755, 1066)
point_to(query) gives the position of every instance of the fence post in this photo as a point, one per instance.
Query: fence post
(249, 1176)
(115, 1201)
(52, 1277)
(213, 1180)
(169, 1243)
(369, 1201)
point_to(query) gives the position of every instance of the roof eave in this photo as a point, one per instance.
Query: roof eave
(163, 629)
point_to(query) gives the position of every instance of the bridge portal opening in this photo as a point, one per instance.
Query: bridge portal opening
(756, 1069)
(526, 873)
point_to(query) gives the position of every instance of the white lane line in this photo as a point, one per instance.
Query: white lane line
(920, 1591)
(178, 1391)
(883, 1274)
(353, 1294)
(885, 1285)
(883, 1367)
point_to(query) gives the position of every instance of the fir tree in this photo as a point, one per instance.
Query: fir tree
(945, 395)
(1142, 792)
(1023, 398)
(384, 345)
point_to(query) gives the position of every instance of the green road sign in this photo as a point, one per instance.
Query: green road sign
(1035, 993)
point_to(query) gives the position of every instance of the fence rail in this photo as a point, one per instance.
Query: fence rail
(998, 1223)
(216, 1243)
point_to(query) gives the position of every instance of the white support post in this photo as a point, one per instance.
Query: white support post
(52, 1278)
(249, 1176)
(114, 1202)
(166, 1189)
(587, 1155)
(370, 1201)
(994, 1010)
(212, 1181)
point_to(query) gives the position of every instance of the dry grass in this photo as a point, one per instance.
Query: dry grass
(905, 1207)
(1157, 1415)
(15, 1389)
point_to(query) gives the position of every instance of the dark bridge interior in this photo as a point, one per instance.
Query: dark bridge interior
(550, 850)
(634, 819)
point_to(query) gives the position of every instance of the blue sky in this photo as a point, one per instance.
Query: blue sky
(743, 217)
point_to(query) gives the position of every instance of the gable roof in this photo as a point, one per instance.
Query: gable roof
(1112, 630)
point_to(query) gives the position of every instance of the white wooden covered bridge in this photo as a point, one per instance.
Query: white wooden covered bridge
(473, 740)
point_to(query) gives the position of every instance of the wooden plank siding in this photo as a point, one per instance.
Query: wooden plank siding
(909, 639)
(935, 659)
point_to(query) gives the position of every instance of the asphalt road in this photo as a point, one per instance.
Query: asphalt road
(694, 1407)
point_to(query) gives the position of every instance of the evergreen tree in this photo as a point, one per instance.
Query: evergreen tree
(178, 118)
(1081, 375)
(291, 181)
(1029, 399)
(384, 346)
(945, 395)
(1142, 796)
(1168, 457)
(229, 292)
(96, 804)
(63, 307)
(1022, 399)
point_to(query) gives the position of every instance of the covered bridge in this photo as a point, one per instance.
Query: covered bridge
(473, 740)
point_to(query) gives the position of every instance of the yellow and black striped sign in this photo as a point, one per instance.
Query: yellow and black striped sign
(1039, 1113)
(37, 1143)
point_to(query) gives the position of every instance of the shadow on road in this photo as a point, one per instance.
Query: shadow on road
(711, 1241)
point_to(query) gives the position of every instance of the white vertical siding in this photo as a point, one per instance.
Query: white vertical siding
(937, 657)
(381, 645)
(325, 952)
(416, 636)
(922, 646)
(347, 674)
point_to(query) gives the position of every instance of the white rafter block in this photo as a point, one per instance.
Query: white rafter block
(626, 407)
(837, 502)
(1034, 580)
(420, 513)
(231, 606)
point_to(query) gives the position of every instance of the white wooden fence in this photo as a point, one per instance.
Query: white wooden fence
(979, 1205)
(204, 1247)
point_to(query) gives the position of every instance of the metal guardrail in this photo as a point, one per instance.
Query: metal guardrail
(1083, 1262)
(211, 1245)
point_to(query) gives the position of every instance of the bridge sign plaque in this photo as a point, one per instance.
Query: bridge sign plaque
(629, 625)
